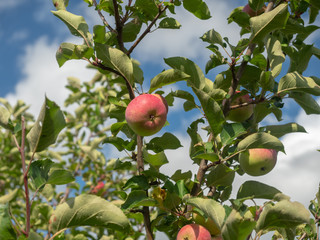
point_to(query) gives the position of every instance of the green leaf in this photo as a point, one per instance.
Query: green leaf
(6, 229)
(295, 82)
(265, 23)
(275, 55)
(4, 118)
(148, 9)
(166, 141)
(68, 51)
(45, 171)
(283, 214)
(156, 160)
(170, 23)
(76, 24)
(221, 175)
(306, 101)
(260, 140)
(9, 196)
(138, 198)
(213, 37)
(115, 59)
(60, 177)
(254, 189)
(212, 157)
(299, 59)
(267, 81)
(131, 30)
(239, 17)
(280, 130)
(212, 111)
(197, 8)
(179, 175)
(237, 226)
(315, 3)
(47, 127)
(231, 131)
(197, 78)
(210, 208)
(135, 182)
(88, 210)
(167, 77)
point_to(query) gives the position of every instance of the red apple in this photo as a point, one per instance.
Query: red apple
(242, 113)
(146, 114)
(247, 9)
(258, 161)
(98, 187)
(193, 232)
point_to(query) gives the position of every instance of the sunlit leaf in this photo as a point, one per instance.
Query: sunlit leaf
(210, 208)
(47, 127)
(167, 77)
(283, 214)
(265, 23)
(170, 23)
(138, 198)
(280, 130)
(198, 8)
(221, 175)
(88, 210)
(260, 140)
(76, 24)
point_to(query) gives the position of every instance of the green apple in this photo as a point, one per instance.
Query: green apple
(258, 161)
(247, 9)
(147, 114)
(242, 113)
(193, 232)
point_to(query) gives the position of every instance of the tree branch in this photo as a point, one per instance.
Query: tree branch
(119, 25)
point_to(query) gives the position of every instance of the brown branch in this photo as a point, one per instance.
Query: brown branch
(119, 25)
(102, 17)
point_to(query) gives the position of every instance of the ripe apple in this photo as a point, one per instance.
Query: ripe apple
(193, 232)
(98, 187)
(247, 9)
(258, 161)
(242, 113)
(146, 114)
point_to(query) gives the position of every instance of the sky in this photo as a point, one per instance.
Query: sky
(30, 36)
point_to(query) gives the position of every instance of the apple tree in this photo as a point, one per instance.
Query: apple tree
(58, 182)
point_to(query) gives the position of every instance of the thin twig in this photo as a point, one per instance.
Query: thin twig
(102, 17)
(57, 233)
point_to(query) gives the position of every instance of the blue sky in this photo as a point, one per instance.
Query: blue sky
(30, 36)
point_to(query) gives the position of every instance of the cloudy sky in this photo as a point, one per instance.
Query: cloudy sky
(30, 36)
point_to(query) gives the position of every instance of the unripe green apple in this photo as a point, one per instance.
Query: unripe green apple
(258, 161)
(247, 9)
(146, 114)
(193, 232)
(242, 113)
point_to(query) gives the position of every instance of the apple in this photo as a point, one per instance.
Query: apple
(258, 161)
(193, 232)
(242, 113)
(247, 9)
(146, 114)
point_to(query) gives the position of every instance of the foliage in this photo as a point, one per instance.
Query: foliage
(128, 197)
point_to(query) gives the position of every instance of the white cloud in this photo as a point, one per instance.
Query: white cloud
(19, 35)
(42, 75)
